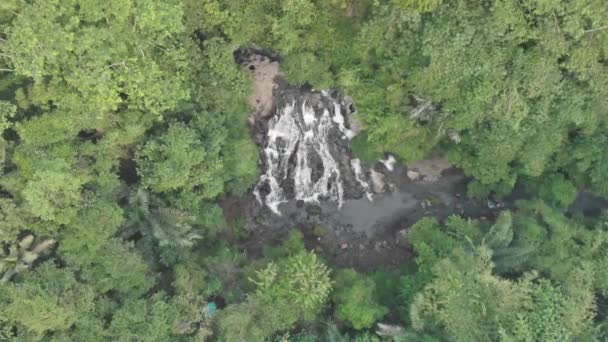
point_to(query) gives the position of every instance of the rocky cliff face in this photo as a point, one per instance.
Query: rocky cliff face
(305, 147)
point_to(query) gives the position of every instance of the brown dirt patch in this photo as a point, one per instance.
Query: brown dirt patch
(264, 73)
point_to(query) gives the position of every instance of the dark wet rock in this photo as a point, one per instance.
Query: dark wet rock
(589, 204)
(401, 237)
(313, 210)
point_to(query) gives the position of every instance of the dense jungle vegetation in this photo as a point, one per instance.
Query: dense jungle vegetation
(124, 121)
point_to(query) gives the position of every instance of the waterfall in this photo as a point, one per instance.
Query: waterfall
(301, 156)
(356, 165)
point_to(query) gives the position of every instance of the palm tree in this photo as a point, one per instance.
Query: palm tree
(20, 257)
(168, 226)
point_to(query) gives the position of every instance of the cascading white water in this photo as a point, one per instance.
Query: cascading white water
(298, 147)
(389, 163)
(356, 166)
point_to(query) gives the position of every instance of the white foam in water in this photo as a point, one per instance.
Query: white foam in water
(339, 119)
(299, 134)
(389, 163)
(355, 164)
(309, 115)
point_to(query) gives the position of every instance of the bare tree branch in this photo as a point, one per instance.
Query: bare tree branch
(118, 64)
(13, 12)
(7, 70)
(596, 29)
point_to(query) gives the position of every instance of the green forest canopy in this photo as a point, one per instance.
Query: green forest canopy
(95, 251)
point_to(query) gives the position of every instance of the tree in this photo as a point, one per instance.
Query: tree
(550, 316)
(122, 123)
(96, 222)
(53, 196)
(178, 160)
(555, 189)
(167, 226)
(354, 299)
(420, 5)
(139, 59)
(301, 280)
(48, 300)
(117, 268)
(254, 320)
(477, 281)
(294, 288)
(149, 319)
(13, 219)
(7, 112)
(558, 245)
(476, 305)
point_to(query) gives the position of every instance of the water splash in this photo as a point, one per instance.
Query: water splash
(389, 162)
(356, 165)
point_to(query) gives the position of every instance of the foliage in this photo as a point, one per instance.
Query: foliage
(488, 280)
(253, 320)
(354, 300)
(178, 160)
(144, 320)
(365, 151)
(556, 189)
(96, 222)
(53, 196)
(295, 288)
(7, 112)
(301, 280)
(13, 219)
(130, 57)
(168, 226)
(113, 82)
(420, 5)
(49, 300)
(130, 278)
(477, 305)
(294, 243)
(509, 87)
